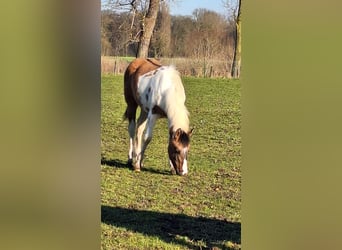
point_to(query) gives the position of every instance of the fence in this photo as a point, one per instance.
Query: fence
(186, 66)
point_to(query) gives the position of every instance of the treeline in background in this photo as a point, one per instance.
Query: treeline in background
(202, 44)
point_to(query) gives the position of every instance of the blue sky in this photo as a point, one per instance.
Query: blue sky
(186, 7)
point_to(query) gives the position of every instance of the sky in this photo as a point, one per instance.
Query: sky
(186, 7)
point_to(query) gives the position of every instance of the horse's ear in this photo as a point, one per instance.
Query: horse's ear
(171, 133)
(177, 134)
(190, 132)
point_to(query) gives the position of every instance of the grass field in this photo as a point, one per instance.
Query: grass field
(153, 209)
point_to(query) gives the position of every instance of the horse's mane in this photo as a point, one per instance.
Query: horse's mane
(178, 114)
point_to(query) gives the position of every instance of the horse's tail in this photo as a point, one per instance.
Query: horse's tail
(126, 79)
(131, 108)
(130, 113)
(125, 115)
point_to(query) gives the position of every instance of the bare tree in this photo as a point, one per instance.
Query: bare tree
(147, 28)
(235, 12)
(237, 54)
(206, 36)
(147, 21)
(161, 38)
(181, 27)
(208, 39)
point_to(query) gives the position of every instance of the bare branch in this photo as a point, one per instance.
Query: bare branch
(120, 4)
(232, 7)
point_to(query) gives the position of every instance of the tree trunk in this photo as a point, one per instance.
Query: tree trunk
(237, 53)
(147, 28)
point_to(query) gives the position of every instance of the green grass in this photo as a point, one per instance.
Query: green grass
(153, 209)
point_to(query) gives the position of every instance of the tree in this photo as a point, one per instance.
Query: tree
(161, 38)
(148, 24)
(206, 35)
(237, 54)
(181, 27)
(147, 20)
(235, 11)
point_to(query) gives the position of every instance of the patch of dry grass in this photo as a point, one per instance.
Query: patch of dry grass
(212, 68)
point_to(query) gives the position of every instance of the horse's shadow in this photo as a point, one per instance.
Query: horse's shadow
(176, 228)
(114, 163)
(124, 164)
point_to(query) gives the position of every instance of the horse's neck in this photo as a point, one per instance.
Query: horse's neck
(173, 99)
(178, 118)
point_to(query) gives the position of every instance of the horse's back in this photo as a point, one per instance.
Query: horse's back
(160, 89)
(142, 66)
(138, 67)
(161, 80)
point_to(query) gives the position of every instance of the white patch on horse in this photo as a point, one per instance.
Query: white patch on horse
(172, 168)
(130, 153)
(185, 167)
(158, 88)
(185, 162)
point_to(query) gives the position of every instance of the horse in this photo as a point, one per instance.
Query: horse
(159, 92)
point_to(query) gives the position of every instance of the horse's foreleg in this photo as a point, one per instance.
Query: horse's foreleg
(151, 121)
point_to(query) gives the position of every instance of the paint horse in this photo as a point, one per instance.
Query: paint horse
(159, 92)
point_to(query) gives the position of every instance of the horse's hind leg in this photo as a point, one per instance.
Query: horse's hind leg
(130, 115)
(140, 129)
(131, 132)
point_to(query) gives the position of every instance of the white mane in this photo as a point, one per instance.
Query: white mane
(178, 114)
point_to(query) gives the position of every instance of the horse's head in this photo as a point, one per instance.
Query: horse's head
(179, 144)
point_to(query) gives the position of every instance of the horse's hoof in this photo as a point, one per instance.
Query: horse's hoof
(136, 168)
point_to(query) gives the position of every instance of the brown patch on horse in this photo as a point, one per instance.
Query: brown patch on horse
(180, 137)
(136, 68)
(154, 61)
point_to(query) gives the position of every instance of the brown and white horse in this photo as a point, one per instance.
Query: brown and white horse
(159, 92)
